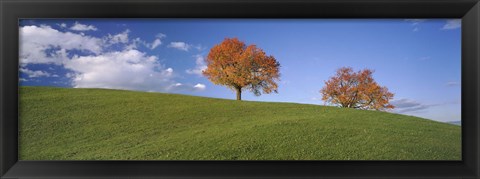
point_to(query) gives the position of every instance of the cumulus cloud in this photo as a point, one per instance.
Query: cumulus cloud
(128, 69)
(186, 87)
(62, 25)
(155, 44)
(34, 74)
(199, 66)
(179, 45)
(160, 35)
(452, 24)
(199, 86)
(134, 43)
(118, 38)
(43, 44)
(97, 66)
(82, 27)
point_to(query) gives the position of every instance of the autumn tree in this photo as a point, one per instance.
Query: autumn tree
(240, 67)
(359, 90)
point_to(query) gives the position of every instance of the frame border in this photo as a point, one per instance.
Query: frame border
(11, 11)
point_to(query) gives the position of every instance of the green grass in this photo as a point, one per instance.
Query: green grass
(100, 124)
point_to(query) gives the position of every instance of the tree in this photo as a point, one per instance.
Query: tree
(239, 67)
(359, 90)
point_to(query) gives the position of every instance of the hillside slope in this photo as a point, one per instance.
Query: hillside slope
(100, 124)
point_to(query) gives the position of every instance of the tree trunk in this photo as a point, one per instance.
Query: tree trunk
(239, 93)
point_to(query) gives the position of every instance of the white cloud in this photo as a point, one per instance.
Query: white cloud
(34, 74)
(452, 24)
(62, 25)
(186, 87)
(199, 66)
(43, 44)
(134, 44)
(82, 27)
(415, 23)
(179, 45)
(160, 35)
(118, 38)
(128, 69)
(199, 86)
(98, 66)
(155, 44)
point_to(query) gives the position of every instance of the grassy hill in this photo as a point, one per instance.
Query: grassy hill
(100, 124)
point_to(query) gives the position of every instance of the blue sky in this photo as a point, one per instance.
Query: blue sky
(419, 60)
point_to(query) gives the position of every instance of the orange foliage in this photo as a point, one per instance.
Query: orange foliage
(359, 90)
(237, 66)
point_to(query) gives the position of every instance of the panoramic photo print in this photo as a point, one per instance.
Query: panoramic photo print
(240, 89)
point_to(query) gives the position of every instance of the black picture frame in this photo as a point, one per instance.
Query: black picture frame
(11, 11)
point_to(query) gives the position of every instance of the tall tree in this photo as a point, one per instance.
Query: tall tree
(239, 67)
(351, 89)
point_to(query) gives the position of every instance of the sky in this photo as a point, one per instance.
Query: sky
(419, 60)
